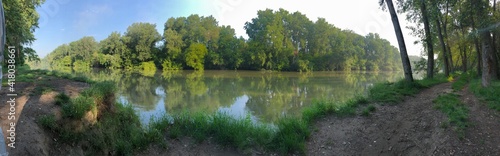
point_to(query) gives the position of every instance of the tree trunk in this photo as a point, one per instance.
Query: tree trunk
(428, 41)
(487, 59)
(478, 58)
(464, 57)
(443, 46)
(448, 49)
(401, 42)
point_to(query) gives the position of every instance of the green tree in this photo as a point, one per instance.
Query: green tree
(141, 39)
(195, 56)
(21, 21)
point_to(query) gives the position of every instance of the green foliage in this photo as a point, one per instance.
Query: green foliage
(195, 56)
(21, 21)
(278, 40)
(169, 65)
(456, 111)
(81, 65)
(148, 68)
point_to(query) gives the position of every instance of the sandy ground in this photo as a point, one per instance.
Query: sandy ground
(412, 127)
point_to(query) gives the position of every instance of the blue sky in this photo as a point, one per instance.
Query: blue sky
(64, 21)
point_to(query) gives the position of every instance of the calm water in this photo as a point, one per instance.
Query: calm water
(263, 96)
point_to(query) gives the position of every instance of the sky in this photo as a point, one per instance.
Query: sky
(64, 21)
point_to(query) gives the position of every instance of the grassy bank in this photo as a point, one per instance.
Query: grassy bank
(117, 129)
(490, 95)
(289, 133)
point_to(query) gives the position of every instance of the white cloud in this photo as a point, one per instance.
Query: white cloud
(360, 16)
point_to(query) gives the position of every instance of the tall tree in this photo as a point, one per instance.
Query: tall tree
(21, 20)
(401, 42)
(142, 41)
(488, 57)
(428, 39)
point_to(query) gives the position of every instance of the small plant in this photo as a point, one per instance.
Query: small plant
(368, 110)
(48, 121)
(371, 108)
(61, 99)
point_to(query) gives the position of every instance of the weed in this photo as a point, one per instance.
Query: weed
(61, 99)
(48, 121)
(77, 108)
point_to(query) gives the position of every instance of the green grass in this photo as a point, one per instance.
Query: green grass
(61, 99)
(389, 92)
(42, 89)
(491, 95)
(368, 110)
(462, 81)
(119, 132)
(48, 121)
(456, 111)
(77, 108)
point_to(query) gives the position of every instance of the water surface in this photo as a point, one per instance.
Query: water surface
(263, 96)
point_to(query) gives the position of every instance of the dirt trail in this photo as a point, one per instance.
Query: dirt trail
(31, 139)
(412, 127)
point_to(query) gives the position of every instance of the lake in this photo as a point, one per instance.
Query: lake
(263, 96)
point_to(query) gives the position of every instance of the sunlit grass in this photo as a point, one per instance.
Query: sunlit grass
(389, 92)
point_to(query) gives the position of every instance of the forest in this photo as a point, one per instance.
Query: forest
(277, 40)
(463, 34)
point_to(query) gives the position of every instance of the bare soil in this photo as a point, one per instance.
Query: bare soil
(412, 127)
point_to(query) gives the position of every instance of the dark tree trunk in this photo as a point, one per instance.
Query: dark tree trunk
(478, 58)
(463, 52)
(401, 42)
(487, 59)
(428, 41)
(443, 46)
(448, 49)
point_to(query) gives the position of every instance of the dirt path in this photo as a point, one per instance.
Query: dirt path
(412, 127)
(30, 138)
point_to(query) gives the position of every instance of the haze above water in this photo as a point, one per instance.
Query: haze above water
(263, 96)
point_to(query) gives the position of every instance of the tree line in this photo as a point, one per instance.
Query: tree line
(277, 40)
(464, 34)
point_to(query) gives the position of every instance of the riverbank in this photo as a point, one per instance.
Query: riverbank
(201, 133)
